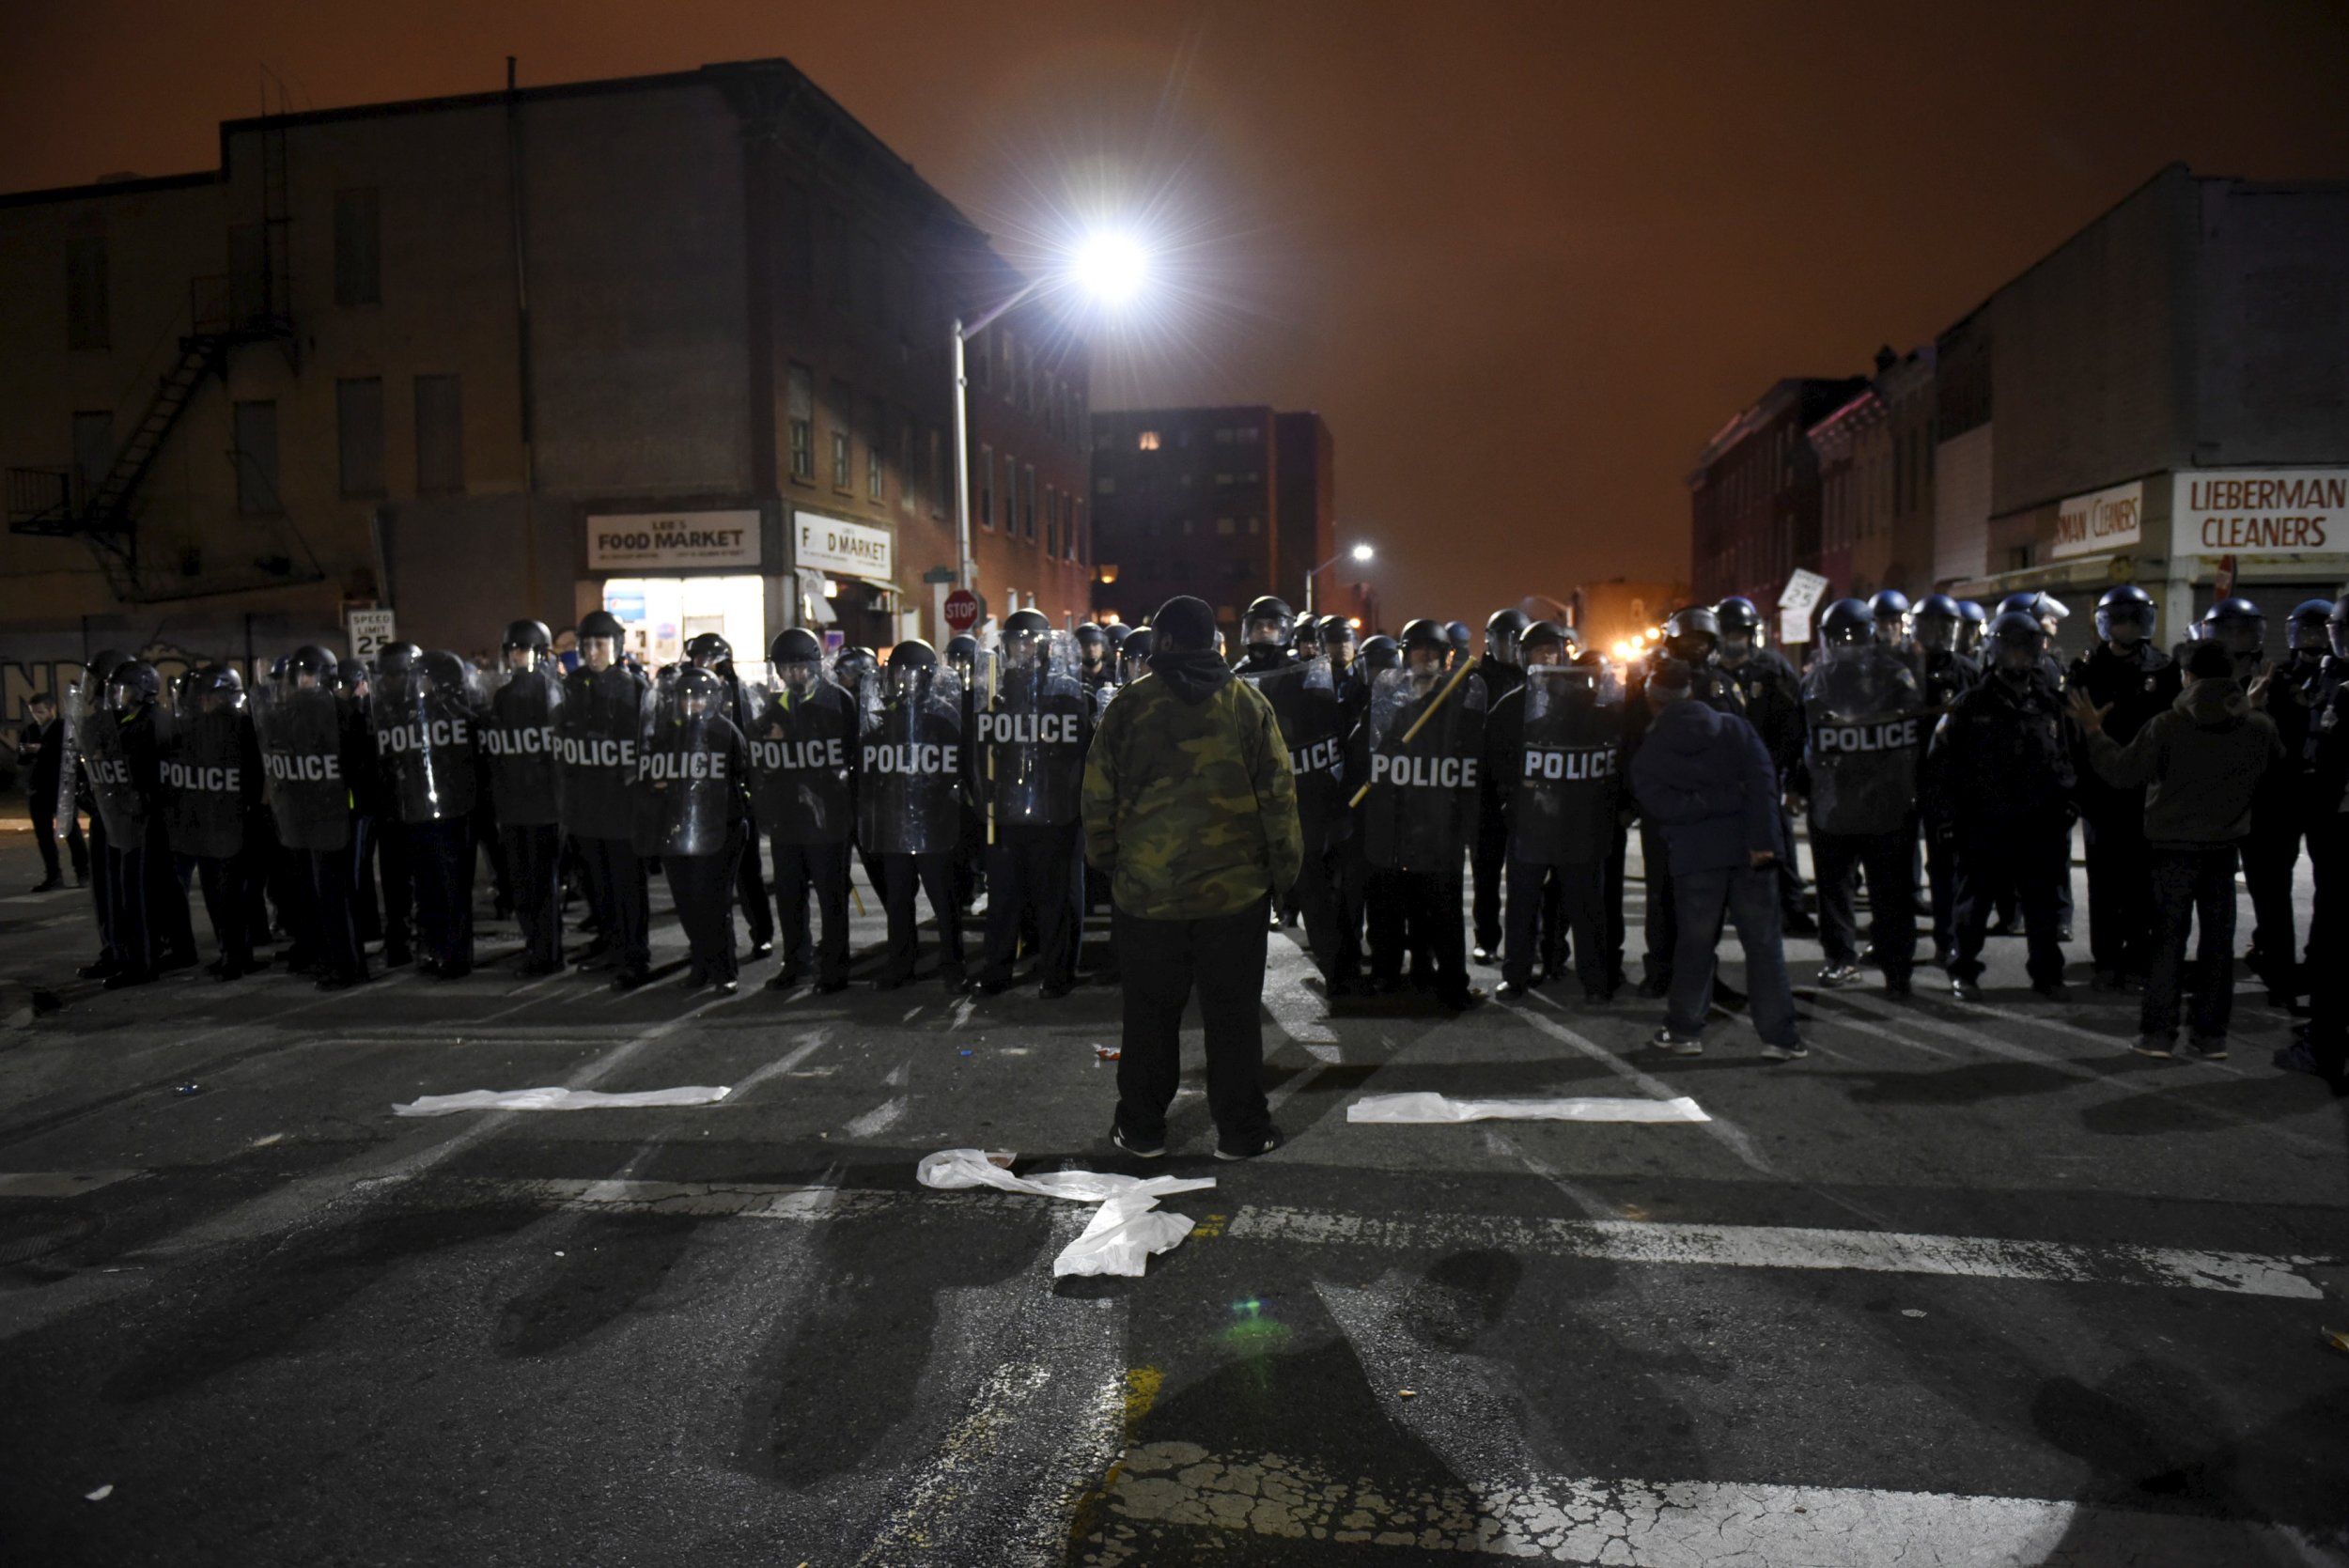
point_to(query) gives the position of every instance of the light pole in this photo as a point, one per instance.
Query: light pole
(1111, 268)
(1359, 552)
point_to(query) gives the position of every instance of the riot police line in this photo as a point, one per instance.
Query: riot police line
(1927, 747)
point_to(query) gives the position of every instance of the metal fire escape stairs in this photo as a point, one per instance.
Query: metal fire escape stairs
(224, 312)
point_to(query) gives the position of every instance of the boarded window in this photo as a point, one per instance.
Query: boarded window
(803, 416)
(256, 460)
(88, 310)
(358, 248)
(359, 434)
(440, 436)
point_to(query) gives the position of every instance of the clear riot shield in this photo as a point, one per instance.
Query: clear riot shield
(1032, 735)
(1568, 765)
(519, 747)
(302, 763)
(801, 732)
(686, 759)
(204, 778)
(911, 763)
(596, 732)
(1425, 750)
(114, 789)
(71, 712)
(424, 722)
(1867, 731)
(1304, 698)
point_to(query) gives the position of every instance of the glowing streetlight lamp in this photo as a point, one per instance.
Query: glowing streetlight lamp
(1111, 266)
(1359, 552)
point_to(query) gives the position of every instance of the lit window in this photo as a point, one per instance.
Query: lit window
(1148, 441)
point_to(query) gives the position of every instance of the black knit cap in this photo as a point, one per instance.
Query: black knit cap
(1184, 624)
(2209, 662)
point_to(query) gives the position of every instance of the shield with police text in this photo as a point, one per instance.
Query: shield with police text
(596, 732)
(208, 776)
(1568, 765)
(802, 730)
(302, 763)
(1427, 744)
(74, 707)
(425, 717)
(687, 761)
(106, 760)
(1031, 736)
(520, 748)
(911, 762)
(1867, 731)
(1304, 698)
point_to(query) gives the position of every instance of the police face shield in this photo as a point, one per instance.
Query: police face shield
(2015, 658)
(1692, 647)
(1543, 655)
(2124, 626)
(1937, 633)
(522, 661)
(799, 679)
(906, 682)
(2338, 629)
(2311, 635)
(1025, 650)
(1424, 662)
(2243, 636)
(1266, 632)
(598, 653)
(1891, 630)
(1738, 644)
(1502, 647)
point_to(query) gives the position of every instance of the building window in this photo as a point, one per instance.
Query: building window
(93, 450)
(1225, 527)
(909, 478)
(1223, 436)
(88, 310)
(1027, 503)
(256, 434)
(842, 472)
(1011, 496)
(802, 399)
(876, 441)
(1004, 352)
(359, 434)
(1248, 432)
(1147, 442)
(358, 248)
(1255, 525)
(986, 487)
(1051, 523)
(440, 436)
(1084, 535)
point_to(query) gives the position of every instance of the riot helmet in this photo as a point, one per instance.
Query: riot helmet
(963, 654)
(2015, 645)
(699, 690)
(1093, 646)
(1116, 633)
(1380, 652)
(2126, 615)
(1936, 622)
(2308, 631)
(1425, 644)
(213, 688)
(528, 645)
(1848, 626)
(707, 650)
(1741, 630)
(134, 684)
(797, 645)
(1542, 642)
(1972, 621)
(1027, 639)
(101, 664)
(600, 639)
(1890, 609)
(1504, 630)
(855, 664)
(443, 674)
(1306, 638)
(913, 663)
(1268, 623)
(312, 665)
(2337, 625)
(1133, 653)
(2240, 626)
(1693, 635)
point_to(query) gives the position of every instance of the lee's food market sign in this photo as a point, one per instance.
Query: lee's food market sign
(2260, 511)
(633, 542)
(838, 548)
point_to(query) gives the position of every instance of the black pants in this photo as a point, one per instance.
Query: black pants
(1431, 906)
(1489, 866)
(750, 886)
(616, 889)
(2120, 889)
(1349, 875)
(1032, 870)
(1891, 896)
(151, 903)
(222, 882)
(1789, 870)
(1941, 868)
(492, 846)
(102, 887)
(334, 935)
(441, 861)
(257, 866)
(2328, 920)
(1661, 930)
(44, 813)
(534, 861)
(1545, 903)
(2033, 860)
(1383, 897)
(1613, 891)
(2190, 883)
(822, 869)
(396, 884)
(2270, 855)
(933, 876)
(703, 887)
(1221, 959)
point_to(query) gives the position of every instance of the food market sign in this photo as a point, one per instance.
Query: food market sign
(634, 542)
(839, 547)
(2100, 523)
(2260, 511)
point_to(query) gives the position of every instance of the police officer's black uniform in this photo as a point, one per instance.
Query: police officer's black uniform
(2136, 682)
(802, 737)
(1031, 742)
(520, 752)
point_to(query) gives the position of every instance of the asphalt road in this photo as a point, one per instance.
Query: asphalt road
(1972, 1284)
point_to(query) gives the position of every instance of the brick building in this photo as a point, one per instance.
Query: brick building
(673, 345)
(1875, 480)
(1224, 504)
(1754, 492)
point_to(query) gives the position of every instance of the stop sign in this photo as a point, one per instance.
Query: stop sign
(963, 611)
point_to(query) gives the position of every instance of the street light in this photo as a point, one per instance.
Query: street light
(1359, 552)
(1110, 265)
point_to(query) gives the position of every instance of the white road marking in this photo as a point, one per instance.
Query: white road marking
(810, 1043)
(58, 1184)
(1730, 1136)
(1294, 1007)
(879, 1119)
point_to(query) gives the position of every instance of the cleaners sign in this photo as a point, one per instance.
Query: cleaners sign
(672, 541)
(2101, 522)
(2260, 511)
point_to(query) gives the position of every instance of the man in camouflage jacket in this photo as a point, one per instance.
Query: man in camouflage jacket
(1191, 812)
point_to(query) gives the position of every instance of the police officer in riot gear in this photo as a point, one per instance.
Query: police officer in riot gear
(1693, 636)
(1338, 646)
(212, 778)
(803, 752)
(382, 841)
(1426, 747)
(1133, 654)
(975, 667)
(314, 748)
(855, 668)
(2127, 673)
(2001, 772)
(1503, 671)
(1773, 696)
(1973, 623)
(1889, 610)
(1030, 740)
(598, 734)
(2272, 848)
(123, 751)
(83, 701)
(693, 765)
(1939, 627)
(1093, 652)
(711, 652)
(425, 722)
(910, 774)
(1562, 733)
(1265, 628)
(1866, 729)
(1305, 703)
(522, 753)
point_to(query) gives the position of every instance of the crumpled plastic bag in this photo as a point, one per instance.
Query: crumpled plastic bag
(557, 1099)
(1129, 1229)
(1428, 1107)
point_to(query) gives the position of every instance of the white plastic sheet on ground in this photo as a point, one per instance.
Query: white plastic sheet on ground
(1126, 1231)
(1443, 1108)
(557, 1099)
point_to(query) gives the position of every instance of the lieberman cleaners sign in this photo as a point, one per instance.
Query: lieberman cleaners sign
(2260, 511)
(2100, 523)
(668, 541)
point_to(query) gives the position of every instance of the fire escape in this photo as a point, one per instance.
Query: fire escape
(224, 312)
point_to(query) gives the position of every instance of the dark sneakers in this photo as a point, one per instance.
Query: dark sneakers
(1140, 1148)
(1250, 1147)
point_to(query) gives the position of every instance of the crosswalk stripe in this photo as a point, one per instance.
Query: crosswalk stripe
(58, 1184)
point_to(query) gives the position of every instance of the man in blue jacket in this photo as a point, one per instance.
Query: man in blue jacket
(1708, 779)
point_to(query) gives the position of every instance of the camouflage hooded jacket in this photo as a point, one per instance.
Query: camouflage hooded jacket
(1190, 806)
